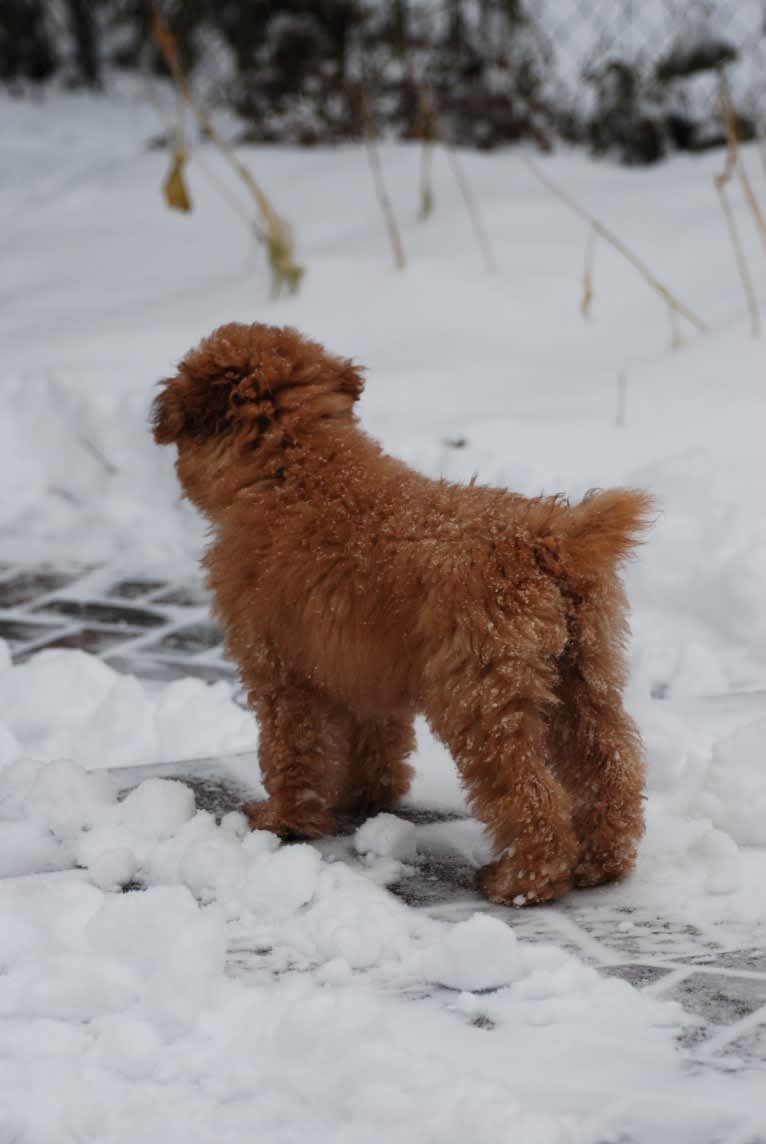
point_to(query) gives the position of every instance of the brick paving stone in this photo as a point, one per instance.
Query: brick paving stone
(190, 639)
(183, 597)
(93, 612)
(134, 589)
(23, 631)
(93, 640)
(751, 1046)
(434, 880)
(753, 960)
(166, 670)
(28, 585)
(719, 998)
(633, 935)
(638, 975)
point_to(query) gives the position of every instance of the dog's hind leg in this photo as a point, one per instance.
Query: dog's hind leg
(595, 751)
(494, 722)
(303, 754)
(379, 775)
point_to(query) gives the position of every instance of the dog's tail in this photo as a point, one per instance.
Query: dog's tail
(602, 530)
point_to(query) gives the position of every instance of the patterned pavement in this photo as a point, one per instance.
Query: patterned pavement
(160, 631)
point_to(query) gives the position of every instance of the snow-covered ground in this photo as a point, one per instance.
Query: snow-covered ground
(353, 1017)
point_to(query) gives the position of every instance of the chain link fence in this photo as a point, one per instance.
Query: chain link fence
(639, 60)
(632, 78)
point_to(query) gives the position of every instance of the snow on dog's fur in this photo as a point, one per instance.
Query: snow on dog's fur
(355, 593)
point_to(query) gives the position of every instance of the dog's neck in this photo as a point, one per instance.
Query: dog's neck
(298, 462)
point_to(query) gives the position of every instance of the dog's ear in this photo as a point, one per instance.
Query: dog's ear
(189, 406)
(168, 412)
(351, 380)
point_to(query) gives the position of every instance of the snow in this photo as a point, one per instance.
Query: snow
(735, 784)
(282, 991)
(69, 704)
(385, 835)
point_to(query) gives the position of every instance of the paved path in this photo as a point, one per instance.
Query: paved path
(157, 630)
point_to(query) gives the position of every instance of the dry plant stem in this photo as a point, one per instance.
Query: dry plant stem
(426, 186)
(622, 400)
(676, 338)
(587, 274)
(734, 158)
(276, 233)
(747, 284)
(235, 203)
(428, 115)
(470, 206)
(384, 199)
(620, 246)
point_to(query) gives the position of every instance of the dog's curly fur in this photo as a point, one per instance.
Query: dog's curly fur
(355, 593)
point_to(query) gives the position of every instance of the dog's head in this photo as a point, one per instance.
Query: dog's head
(242, 389)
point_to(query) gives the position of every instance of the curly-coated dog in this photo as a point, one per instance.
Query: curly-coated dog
(355, 593)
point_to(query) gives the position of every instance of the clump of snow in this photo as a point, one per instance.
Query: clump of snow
(736, 784)
(26, 846)
(720, 857)
(69, 704)
(481, 953)
(157, 808)
(387, 836)
(53, 691)
(10, 747)
(113, 869)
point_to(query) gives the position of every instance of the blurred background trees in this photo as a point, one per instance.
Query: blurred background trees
(623, 77)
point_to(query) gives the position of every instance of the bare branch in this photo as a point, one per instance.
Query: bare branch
(663, 291)
(285, 270)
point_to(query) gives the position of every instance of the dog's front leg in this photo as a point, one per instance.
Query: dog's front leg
(303, 754)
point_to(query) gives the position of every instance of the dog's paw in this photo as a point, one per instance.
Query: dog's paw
(503, 881)
(288, 827)
(591, 871)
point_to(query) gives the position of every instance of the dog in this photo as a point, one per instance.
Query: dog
(356, 593)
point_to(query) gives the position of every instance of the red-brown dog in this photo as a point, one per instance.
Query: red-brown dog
(355, 593)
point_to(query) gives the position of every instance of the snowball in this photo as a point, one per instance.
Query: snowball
(27, 848)
(213, 866)
(336, 971)
(665, 740)
(121, 730)
(56, 687)
(736, 783)
(280, 883)
(93, 844)
(157, 808)
(145, 928)
(67, 798)
(197, 718)
(22, 470)
(260, 842)
(387, 836)
(175, 949)
(68, 986)
(722, 860)
(113, 869)
(481, 953)
(127, 1046)
(10, 747)
(235, 822)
